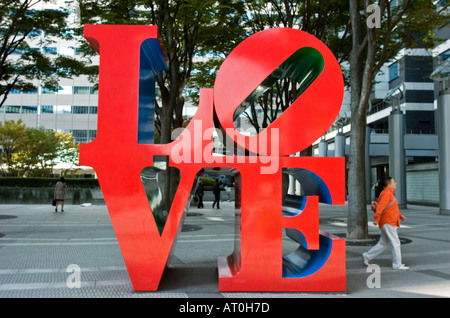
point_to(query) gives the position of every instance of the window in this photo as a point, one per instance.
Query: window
(84, 109)
(63, 109)
(83, 136)
(46, 109)
(35, 32)
(32, 49)
(78, 133)
(65, 90)
(46, 90)
(12, 109)
(16, 51)
(31, 92)
(50, 50)
(80, 109)
(80, 136)
(393, 71)
(29, 109)
(83, 90)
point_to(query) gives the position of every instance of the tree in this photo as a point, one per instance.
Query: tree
(32, 152)
(67, 151)
(37, 153)
(409, 24)
(12, 135)
(21, 24)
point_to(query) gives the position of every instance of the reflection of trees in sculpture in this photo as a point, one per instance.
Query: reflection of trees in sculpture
(153, 181)
(300, 69)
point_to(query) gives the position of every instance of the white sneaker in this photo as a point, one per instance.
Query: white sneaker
(401, 267)
(365, 259)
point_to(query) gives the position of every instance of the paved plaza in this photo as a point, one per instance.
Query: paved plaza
(40, 248)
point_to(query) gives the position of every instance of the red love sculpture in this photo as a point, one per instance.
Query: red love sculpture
(130, 57)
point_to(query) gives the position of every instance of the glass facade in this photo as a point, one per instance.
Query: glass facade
(83, 90)
(393, 71)
(83, 135)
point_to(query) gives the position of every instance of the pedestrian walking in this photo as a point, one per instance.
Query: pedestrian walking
(387, 216)
(60, 193)
(199, 193)
(216, 192)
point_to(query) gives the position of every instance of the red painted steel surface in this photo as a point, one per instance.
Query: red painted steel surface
(118, 159)
(310, 116)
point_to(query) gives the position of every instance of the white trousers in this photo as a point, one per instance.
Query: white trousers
(389, 237)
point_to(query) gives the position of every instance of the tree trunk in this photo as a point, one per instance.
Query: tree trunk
(357, 210)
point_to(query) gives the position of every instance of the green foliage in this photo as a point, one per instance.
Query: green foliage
(12, 135)
(20, 23)
(207, 182)
(32, 152)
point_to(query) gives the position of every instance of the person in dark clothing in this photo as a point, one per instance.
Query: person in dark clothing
(216, 191)
(60, 193)
(199, 194)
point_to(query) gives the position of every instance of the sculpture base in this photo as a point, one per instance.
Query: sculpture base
(329, 277)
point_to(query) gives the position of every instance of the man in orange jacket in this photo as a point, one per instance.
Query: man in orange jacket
(387, 216)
